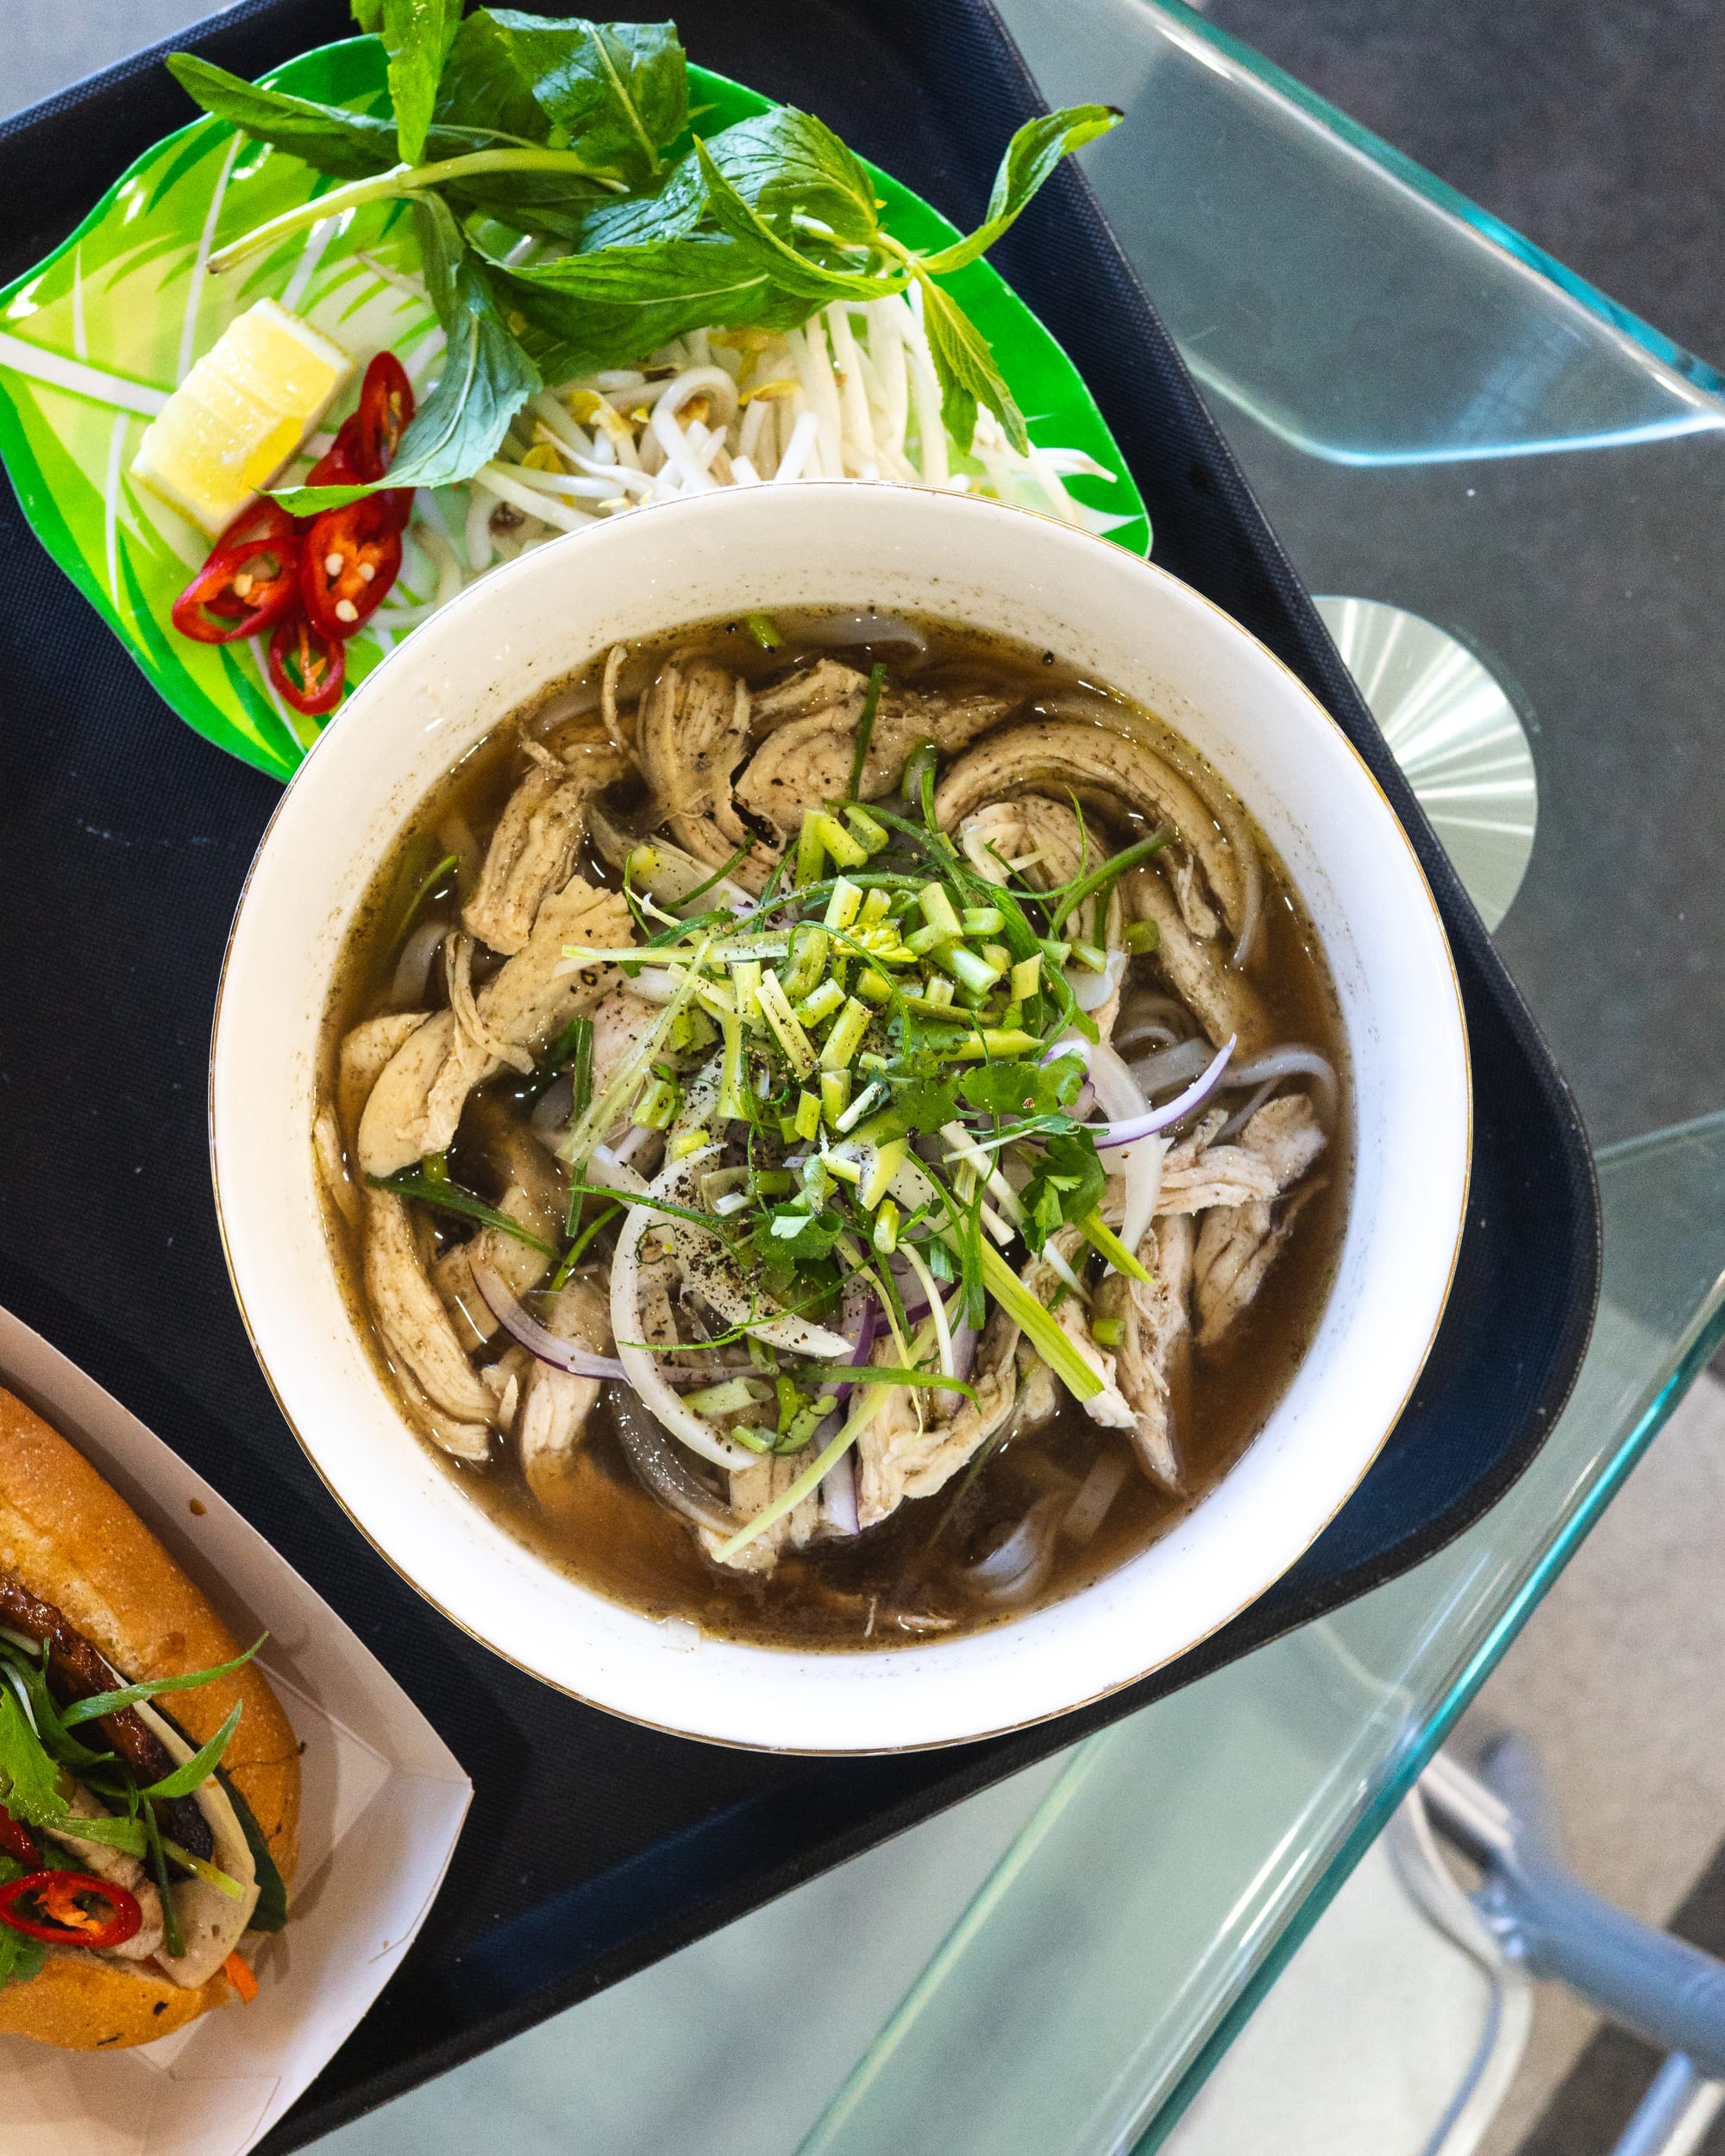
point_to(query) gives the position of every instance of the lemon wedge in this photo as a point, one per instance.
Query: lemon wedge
(240, 415)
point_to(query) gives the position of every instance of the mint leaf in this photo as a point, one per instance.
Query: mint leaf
(606, 309)
(1031, 156)
(368, 13)
(785, 161)
(347, 144)
(795, 272)
(417, 36)
(198, 1770)
(487, 376)
(616, 91)
(966, 370)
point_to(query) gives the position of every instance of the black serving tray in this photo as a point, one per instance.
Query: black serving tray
(595, 1846)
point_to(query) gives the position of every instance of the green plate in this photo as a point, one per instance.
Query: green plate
(93, 339)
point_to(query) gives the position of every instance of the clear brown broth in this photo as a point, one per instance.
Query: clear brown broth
(904, 1581)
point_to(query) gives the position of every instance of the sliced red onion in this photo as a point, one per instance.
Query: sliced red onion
(1154, 1120)
(964, 1338)
(838, 1497)
(561, 1355)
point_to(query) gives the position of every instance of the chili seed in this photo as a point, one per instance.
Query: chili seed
(346, 610)
(332, 565)
(367, 571)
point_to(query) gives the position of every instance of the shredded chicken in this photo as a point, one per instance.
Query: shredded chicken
(903, 1453)
(1223, 1001)
(1059, 757)
(1153, 1360)
(1042, 843)
(416, 1332)
(535, 1200)
(555, 1404)
(1109, 1407)
(752, 1489)
(694, 728)
(1238, 1242)
(811, 723)
(417, 1103)
(533, 850)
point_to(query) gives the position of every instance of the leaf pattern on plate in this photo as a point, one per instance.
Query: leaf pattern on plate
(93, 340)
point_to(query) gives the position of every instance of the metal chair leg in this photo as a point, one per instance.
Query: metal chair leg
(1660, 1988)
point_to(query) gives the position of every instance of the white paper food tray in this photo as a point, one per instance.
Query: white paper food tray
(384, 1799)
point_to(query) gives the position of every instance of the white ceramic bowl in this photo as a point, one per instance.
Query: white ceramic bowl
(973, 561)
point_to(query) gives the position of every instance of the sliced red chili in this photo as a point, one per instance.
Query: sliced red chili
(71, 1908)
(306, 666)
(263, 519)
(339, 465)
(349, 559)
(239, 591)
(17, 1842)
(386, 407)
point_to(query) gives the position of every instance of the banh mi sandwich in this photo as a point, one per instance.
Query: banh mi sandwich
(149, 1782)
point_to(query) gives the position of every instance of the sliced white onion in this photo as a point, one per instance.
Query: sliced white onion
(1090, 991)
(413, 967)
(839, 1497)
(1143, 1163)
(1019, 1567)
(661, 1469)
(1097, 1493)
(549, 1121)
(561, 1355)
(856, 629)
(641, 1368)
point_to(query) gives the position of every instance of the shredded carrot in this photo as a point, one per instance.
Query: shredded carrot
(241, 1978)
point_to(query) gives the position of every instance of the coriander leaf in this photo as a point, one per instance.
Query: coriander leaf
(966, 368)
(795, 272)
(348, 144)
(925, 1105)
(814, 1236)
(1031, 156)
(1068, 1184)
(1009, 1090)
(192, 1773)
(417, 36)
(27, 1775)
(487, 376)
(21, 1958)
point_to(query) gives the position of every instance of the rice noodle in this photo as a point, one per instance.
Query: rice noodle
(1292, 1061)
(1019, 1569)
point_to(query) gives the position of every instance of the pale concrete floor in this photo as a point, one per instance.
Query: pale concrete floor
(1616, 1678)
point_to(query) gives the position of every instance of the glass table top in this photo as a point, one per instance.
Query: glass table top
(1438, 417)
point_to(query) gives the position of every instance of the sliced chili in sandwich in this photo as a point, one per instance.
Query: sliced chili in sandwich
(71, 1908)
